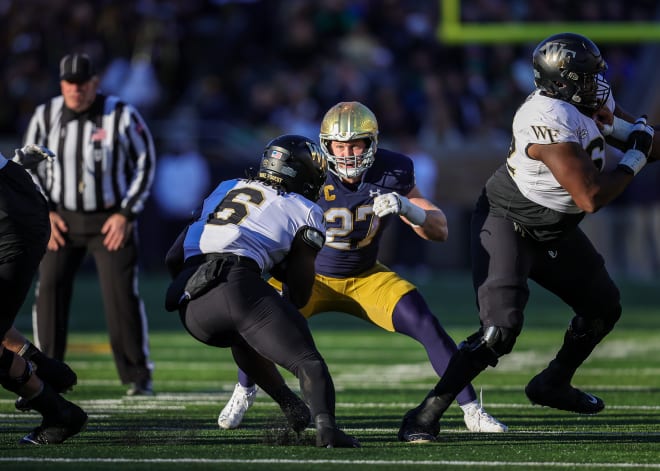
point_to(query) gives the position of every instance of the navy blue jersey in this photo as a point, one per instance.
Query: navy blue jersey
(353, 230)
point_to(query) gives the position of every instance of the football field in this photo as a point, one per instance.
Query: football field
(378, 377)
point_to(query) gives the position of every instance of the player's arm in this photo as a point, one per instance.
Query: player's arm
(426, 219)
(654, 154)
(174, 258)
(575, 171)
(435, 225)
(623, 121)
(299, 273)
(175, 255)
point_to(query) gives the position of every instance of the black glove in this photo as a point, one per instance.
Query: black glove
(638, 147)
(31, 155)
(641, 137)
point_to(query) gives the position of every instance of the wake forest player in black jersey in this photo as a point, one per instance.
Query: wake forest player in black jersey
(24, 370)
(367, 186)
(525, 226)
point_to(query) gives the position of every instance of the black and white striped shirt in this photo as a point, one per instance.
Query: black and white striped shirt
(105, 156)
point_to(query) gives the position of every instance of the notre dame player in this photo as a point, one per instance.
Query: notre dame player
(253, 227)
(365, 187)
(525, 226)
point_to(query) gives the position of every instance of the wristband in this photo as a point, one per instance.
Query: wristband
(634, 160)
(24, 349)
(415, 215)
(620, 129)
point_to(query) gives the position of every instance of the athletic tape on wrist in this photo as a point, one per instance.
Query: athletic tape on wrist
(415, 215)
(633, 159)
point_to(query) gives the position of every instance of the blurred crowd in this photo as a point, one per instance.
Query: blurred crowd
(219, 78)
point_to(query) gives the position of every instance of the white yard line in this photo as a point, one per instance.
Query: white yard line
(493, 464)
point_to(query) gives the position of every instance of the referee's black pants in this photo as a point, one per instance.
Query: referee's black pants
(124, 311)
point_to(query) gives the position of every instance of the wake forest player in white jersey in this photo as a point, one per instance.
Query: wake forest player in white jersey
(525, 226)
(247, 228)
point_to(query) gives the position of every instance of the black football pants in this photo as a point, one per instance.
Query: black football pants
(24, 233)
(248, 315)
(570, 267)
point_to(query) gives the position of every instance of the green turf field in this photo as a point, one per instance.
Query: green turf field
(378, 377)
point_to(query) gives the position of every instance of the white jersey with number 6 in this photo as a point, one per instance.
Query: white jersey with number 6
(252, 219)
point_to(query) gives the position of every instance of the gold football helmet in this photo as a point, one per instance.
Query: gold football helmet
(348, 121)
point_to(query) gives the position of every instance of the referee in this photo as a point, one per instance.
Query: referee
(96, 187)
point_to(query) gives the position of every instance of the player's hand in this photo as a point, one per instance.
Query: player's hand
(390, 203)
(604, 119)
(31, 155)
(394, 203)
(641, 137)
(638, 147)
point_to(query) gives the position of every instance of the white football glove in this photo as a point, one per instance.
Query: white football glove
(394, 203)
(31, 155)
(619, 129)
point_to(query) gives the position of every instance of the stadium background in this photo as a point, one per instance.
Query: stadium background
(219, 78)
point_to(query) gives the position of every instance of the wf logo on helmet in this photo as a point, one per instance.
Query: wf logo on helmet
(559, 52)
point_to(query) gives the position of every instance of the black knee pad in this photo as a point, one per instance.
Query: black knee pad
(488, 344)
(13, 384)
(594, 329)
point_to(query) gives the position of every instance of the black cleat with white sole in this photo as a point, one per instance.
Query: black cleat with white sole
(413, 431)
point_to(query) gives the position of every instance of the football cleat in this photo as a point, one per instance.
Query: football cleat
(69, 421)
(297, 414)
(328, 435)
(335, 438)
(543, 391)
(413, 431)
(478, 420)
(241, 399)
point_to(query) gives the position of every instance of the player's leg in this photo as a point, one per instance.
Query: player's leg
(577, 274)
(242, 398)
(413, 317)
(245, 390)
(275, 329)
(61, 418)
(56, 373)
(502, 293)
(271, 381)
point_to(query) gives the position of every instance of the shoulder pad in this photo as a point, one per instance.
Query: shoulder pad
(312, 237)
